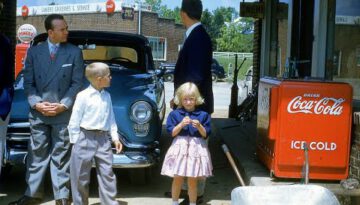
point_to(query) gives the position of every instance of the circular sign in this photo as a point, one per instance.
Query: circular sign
(24, 11)
(26, 33)
(110, 7)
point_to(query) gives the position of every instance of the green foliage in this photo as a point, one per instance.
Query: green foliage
(224, 38)
(214, 22)
(226, 13)
(170, 14)
(232, 39)
(155, 4)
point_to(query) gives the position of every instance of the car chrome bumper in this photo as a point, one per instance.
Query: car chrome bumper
(140, 156)
(15, 156)
(122, 160)
(136, 159)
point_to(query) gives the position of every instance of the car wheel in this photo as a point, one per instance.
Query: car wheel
(169, 78)
(214, 77)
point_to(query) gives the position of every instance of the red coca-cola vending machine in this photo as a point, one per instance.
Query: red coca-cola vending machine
(294, 115)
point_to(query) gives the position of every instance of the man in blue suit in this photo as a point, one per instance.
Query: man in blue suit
(195, 57)
(194, 64)
(6, 86)
(53, 76)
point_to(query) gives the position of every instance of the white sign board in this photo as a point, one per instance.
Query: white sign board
(78, 8)
(26, 33)
(347, 20)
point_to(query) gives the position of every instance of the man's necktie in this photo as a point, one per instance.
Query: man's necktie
(53, 52)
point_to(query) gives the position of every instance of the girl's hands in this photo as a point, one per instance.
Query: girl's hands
(195, 123)
(198, 125)
(185, 121)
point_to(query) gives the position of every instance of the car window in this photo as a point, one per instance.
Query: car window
(108, 53)
(117, 57)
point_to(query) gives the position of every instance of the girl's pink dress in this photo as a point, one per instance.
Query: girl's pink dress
(188, 157)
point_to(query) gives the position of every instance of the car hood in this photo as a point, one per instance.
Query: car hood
(127, 87)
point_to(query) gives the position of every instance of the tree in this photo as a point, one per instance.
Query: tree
(170, 14)
(226, 12)
(216, 21)
(163, 11)
(233, 38)
(155, 4)
(206, 20)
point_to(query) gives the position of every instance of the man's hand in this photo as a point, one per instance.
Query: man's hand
(172, 103)
(118, 146)
(50, 109)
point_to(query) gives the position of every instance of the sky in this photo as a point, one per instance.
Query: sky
(207, 4)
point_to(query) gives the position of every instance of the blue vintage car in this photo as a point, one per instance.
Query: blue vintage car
(137, 92)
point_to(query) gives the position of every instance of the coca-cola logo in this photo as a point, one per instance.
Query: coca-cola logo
(325, 106)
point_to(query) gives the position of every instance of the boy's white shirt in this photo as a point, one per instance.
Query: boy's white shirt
(92, 110)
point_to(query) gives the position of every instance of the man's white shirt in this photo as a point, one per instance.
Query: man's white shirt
(191, 28)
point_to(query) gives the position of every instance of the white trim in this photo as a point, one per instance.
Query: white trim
(165, 47)
(320, 38)
(79, 8)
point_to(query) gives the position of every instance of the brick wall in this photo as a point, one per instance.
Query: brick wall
(355, 149)
(256, 51)
(152, 25)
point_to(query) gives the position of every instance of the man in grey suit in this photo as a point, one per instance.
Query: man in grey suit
(53, 76)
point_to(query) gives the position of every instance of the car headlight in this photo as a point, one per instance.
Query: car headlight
(141, 112)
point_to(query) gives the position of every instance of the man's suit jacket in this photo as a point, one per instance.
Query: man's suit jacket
(6, 76)
(194, 65)
(53, 81)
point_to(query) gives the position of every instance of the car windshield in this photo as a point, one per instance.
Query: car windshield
(117, 57)
(110, 53)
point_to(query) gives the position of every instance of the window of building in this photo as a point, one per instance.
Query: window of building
(347, 44)
(158, 46)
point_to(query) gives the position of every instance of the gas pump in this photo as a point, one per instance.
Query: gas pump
(26, 33)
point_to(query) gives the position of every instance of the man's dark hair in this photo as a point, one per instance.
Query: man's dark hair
(49, 19)
(193, 8)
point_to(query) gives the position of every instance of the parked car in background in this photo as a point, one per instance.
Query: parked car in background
(217, 71)
(137, 92)
(168, 70)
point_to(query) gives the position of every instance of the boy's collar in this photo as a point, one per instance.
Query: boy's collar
(94, 89)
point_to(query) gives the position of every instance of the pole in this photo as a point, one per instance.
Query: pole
(306, 153)
(233, 165)
(139, 10)
(234, 92)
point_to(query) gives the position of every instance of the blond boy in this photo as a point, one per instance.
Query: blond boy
(91, 123)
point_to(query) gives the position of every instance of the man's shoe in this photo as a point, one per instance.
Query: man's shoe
(183, 194)
(26, 200)
(62, 202)
(199, 200)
